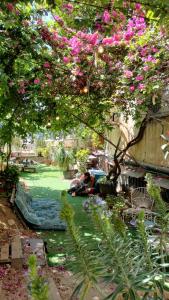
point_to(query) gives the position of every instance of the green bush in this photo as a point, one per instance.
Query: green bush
(11, 173)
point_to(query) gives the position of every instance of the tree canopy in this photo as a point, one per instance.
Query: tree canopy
(77, 61)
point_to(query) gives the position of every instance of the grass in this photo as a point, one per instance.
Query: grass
(48, 182)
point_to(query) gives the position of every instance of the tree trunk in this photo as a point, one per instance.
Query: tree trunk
(8, 154)
(118, 157)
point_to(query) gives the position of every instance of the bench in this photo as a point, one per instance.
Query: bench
(5, 253)
(11, 252)
(29, 169)
(16, 253)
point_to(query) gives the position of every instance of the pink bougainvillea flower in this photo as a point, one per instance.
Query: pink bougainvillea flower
(64, 39)
(98, 27)
(137, 6)
(49, 76)
(128, 73)
(114, 14)
(122, 16)
(76, 45)
(22, 83)
(37, 81)
(150, 58)
(46, 64)
(108, 41)
(68, 7)
(39, 22)
(10, 7)
(154, 50)
(92, 38)
(106, 18)
(58, 19)
(143, 52)
(21, 91)
(139, 77)
(141, 86)
(66, 59)
(55, 36)
(145, 68)
(128, 35)
(139, 101)
(132, 88)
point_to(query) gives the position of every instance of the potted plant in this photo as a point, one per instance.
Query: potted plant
(106, 186)
(65, 159)
(9, 178)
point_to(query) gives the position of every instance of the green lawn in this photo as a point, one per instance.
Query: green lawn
(48, 182)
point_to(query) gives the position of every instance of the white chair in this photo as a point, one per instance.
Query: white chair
(140, 200)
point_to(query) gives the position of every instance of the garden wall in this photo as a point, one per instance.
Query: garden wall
(148, 150)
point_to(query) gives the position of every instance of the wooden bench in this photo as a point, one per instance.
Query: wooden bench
(16, 253)
(5, 253)
(29, 169)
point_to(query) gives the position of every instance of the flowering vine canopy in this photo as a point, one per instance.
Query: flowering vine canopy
(53, 63)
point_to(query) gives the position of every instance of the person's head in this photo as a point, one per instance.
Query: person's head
(86, 177)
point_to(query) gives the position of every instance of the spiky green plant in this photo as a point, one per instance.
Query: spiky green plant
(162, 218)
(87, 266)
(132, 265)
(37, 284)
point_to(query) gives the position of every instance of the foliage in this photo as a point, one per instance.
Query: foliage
(82, 157)
(11, 173)
(115, 202)
(88, 266)
(97, 142)
(81, 62)
(38, 285)
(103, 180)
(64, 158)
(134, 265)
(54, 61)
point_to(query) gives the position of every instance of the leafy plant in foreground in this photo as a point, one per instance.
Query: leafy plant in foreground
(133, 265)
(38, 285)
(87, 266)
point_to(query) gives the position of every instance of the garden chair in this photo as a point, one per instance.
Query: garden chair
(140, 200)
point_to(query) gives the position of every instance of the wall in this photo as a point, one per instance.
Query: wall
(148, 150)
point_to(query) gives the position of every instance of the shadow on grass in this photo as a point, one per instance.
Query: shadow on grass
(45, 192)
(48, 183)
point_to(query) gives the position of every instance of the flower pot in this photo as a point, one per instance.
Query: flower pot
(107, 188)
(69, 174)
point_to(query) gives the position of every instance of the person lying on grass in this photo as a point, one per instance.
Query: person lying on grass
(82, 186)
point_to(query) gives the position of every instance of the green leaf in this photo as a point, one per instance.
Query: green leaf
(118, 291)
(77, 290)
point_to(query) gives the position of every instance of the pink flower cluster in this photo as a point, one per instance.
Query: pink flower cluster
(68, 7)
(106, 18)
(59, 20)
(112, 41)
(36, 81)
(136, 25)
(128, 73)
(10, 7)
